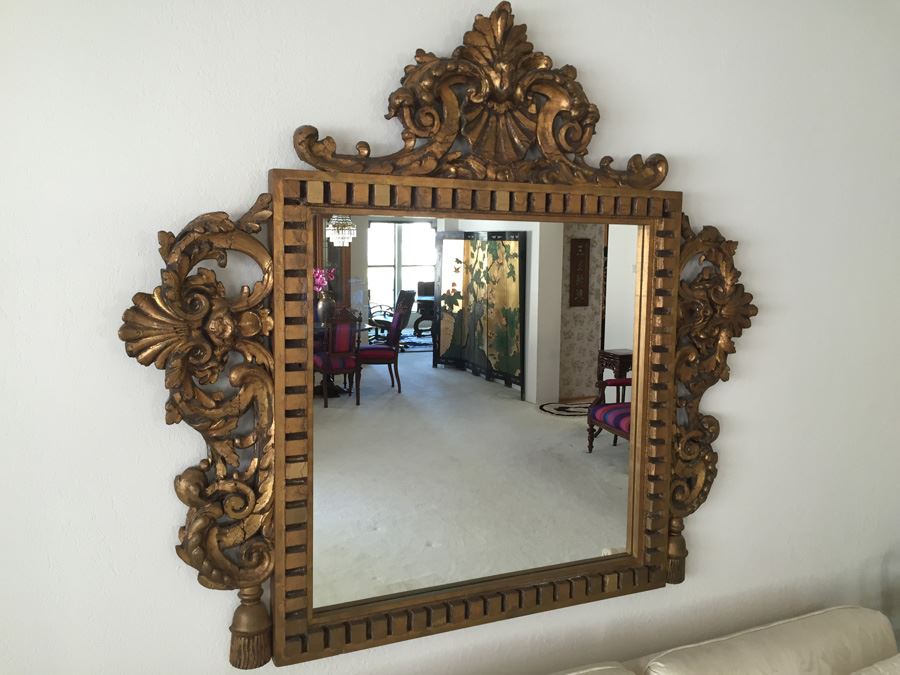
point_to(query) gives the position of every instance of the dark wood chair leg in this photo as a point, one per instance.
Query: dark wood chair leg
(397, 373)
(391, 372)
(615, 439)
(358, 378)
(590, 437)
(325, 389)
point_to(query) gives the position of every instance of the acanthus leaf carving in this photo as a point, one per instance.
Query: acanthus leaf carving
(714, 309)
(189, 327)
(519, 118)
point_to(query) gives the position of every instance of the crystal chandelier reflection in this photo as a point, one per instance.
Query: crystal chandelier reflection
(340, 230)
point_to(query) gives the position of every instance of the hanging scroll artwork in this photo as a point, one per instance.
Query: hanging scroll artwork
(580, 273)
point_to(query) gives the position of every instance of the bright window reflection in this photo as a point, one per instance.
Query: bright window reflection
(411, 275)
(381, 244)
(381, 286)
(400, 255)
(417, 244)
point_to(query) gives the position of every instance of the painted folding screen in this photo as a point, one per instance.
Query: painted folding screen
(481, 322)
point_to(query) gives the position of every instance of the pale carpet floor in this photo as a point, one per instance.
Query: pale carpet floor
(454, 479)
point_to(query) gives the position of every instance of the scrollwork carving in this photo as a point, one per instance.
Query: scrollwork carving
(496, 110)
(189, 328)
(521, 119)
(714, 309)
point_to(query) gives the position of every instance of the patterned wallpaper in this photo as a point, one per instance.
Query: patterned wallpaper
(580, 326)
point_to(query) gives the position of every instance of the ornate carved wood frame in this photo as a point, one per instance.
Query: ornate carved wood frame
(493, 131)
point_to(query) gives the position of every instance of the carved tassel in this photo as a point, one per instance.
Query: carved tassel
(677, 551)
(251, 631)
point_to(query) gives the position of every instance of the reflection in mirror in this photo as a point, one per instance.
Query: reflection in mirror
(477, 356)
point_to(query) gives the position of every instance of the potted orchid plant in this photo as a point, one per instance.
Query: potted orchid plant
(325, 305)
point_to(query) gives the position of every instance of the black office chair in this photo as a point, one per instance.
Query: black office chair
(382, 316)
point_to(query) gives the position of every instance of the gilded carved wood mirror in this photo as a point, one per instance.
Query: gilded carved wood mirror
(456, 500)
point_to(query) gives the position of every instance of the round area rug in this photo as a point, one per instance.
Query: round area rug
(566, 409)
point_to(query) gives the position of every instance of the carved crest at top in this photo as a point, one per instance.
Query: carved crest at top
(495, 110)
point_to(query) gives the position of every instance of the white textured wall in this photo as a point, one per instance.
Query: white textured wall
(118, 119)
(620, 279)
(359, 268)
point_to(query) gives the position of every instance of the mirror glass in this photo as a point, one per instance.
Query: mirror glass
(480, 348)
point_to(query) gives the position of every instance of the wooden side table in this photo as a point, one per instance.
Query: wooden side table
(617, 360)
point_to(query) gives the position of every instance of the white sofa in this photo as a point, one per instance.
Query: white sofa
(835, 641)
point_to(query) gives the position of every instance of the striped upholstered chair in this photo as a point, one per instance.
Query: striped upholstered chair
(387, 353)
(613, 417)
(338, 353)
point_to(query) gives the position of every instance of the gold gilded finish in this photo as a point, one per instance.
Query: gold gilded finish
(521, 119)
(512, 132)
(304, 631)
(189, 327)
(713, 309)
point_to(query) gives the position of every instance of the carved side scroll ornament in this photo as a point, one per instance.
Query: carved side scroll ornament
(189, 327)
(495, 110)
(713, 310)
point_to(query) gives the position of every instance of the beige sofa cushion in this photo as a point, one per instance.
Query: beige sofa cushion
(833, 641)
(605, 668)
(889, 666)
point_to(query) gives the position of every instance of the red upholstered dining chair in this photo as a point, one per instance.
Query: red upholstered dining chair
(619, 383)
(341, 350)
(387, 353)
(613, 417)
